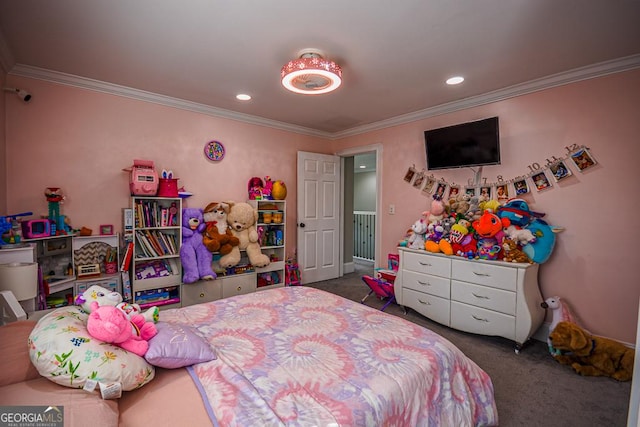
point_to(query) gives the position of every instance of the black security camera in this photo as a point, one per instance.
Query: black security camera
(23, 94)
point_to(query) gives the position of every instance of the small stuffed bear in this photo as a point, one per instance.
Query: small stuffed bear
(242, 218)
(109, 324)
(512, 253)
(217, 236)
(196, 258)
(104, 297)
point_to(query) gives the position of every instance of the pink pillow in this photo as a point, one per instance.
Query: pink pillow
(176, 346)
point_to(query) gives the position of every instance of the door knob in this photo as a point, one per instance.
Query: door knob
(302, 225)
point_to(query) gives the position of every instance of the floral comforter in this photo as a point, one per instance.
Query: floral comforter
(299, 356)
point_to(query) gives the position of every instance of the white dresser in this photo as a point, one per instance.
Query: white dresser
(483, 297)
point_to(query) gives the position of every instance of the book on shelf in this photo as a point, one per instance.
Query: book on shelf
(126, 259)
(145, 245)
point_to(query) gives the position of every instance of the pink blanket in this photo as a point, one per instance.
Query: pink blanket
(299, 356)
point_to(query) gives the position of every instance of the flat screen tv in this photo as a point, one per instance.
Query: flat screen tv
(468, 144)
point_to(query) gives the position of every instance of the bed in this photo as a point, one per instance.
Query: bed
(299, 356)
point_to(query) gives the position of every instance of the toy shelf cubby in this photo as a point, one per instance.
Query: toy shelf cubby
(271, 229)
(156, 270)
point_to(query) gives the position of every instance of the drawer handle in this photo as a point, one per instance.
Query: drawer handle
(201, 294)
(424, 302)
(239, 288)
(479, 318)
(479, 296)
(481, 274)
(426, 264)
(424, 283)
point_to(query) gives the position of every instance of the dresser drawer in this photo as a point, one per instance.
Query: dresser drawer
(485, 274)
(238, 285)
(201, 291)
(435, 308)
(481, 321)
(484, 296)
(434, 285)
(422, 263)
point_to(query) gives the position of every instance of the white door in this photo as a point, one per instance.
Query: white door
(318, 216)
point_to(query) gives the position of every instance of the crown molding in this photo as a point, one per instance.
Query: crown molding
(141, 95)
(571, 76)
(583, 73)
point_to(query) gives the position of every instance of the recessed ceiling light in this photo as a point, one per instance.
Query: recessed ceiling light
(455, 80)
(363, 167)
(243, 97)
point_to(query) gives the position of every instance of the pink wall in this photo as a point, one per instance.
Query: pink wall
(3, 149)
(593, 265)
(80, 140)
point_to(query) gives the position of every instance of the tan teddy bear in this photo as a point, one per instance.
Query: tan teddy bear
(242, 218)
(217, 237)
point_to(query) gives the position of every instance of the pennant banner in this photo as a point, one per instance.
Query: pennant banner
(539, 178)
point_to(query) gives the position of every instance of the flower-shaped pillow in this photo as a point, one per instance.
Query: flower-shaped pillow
(62, 351)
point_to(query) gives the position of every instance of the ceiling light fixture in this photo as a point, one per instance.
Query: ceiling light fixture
(455, 80)
(243, 97)
(311, 73)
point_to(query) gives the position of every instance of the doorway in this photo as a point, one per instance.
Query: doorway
(360, 208)
(326, 215)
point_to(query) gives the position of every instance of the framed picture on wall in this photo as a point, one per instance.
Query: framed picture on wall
(541, 181)
(583, 159)
(502, 193)
(485, 192)
(560, 171)
(419, 180)
(471, 191)
(428, 186)
(520, 186)
(453, 191)
(408, 176)
(440, 190)
(106, 230)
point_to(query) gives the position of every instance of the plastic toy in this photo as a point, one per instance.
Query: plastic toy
(143, 180)
(381, 288)
(292, 277)
(255, 187)
(10, 232)
(279, 190)
(54, 198)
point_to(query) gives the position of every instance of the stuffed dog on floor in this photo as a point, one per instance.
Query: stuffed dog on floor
(591, 355)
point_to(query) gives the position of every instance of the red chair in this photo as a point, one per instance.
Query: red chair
(381, 288)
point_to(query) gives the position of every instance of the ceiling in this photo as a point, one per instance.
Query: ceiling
(395, 55)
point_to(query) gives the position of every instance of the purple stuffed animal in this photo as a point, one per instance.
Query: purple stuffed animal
(196, 258)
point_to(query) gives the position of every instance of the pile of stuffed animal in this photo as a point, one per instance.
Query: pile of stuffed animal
(483, 229)
(114, 321)
(222, 227)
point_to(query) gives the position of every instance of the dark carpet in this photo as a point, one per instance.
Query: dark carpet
(531, 388)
